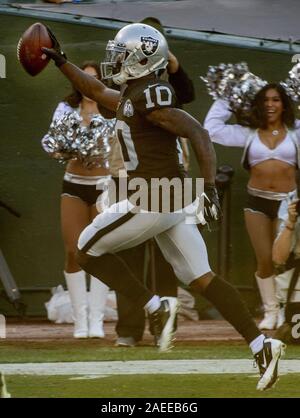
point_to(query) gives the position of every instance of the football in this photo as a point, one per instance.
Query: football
(29, 47)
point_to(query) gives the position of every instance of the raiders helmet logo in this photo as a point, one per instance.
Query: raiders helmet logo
(149, 45)
(128, 109)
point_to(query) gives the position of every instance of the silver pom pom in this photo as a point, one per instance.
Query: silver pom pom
(292, 83)
(234, 83)
(67, 139)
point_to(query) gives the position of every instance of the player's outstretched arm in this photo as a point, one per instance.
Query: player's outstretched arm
(182, 124)
(89, 86)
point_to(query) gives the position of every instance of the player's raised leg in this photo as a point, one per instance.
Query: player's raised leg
(100, 245)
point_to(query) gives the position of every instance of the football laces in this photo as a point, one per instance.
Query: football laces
(18, 48)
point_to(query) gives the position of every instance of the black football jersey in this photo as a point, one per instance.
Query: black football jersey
(148, 150)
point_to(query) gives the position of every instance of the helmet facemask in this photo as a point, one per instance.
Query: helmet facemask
(114, 59)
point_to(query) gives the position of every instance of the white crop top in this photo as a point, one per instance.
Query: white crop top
(258, 152)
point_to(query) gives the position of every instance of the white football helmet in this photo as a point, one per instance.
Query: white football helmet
(136, 51)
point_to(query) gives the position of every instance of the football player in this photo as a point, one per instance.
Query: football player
(148, 124)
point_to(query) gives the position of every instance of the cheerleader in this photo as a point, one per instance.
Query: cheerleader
(271, 154)
(78, 208)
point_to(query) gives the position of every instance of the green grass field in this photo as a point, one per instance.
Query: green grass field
(149, 386)
(91, 350)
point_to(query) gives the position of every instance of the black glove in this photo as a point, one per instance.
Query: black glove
(212, 208)
(55, 53)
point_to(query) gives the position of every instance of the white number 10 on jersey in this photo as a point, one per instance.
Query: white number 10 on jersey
(159, 100)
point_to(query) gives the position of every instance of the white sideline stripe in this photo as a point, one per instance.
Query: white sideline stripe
(106, 368)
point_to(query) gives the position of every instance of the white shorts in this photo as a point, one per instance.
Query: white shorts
(117, 229)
